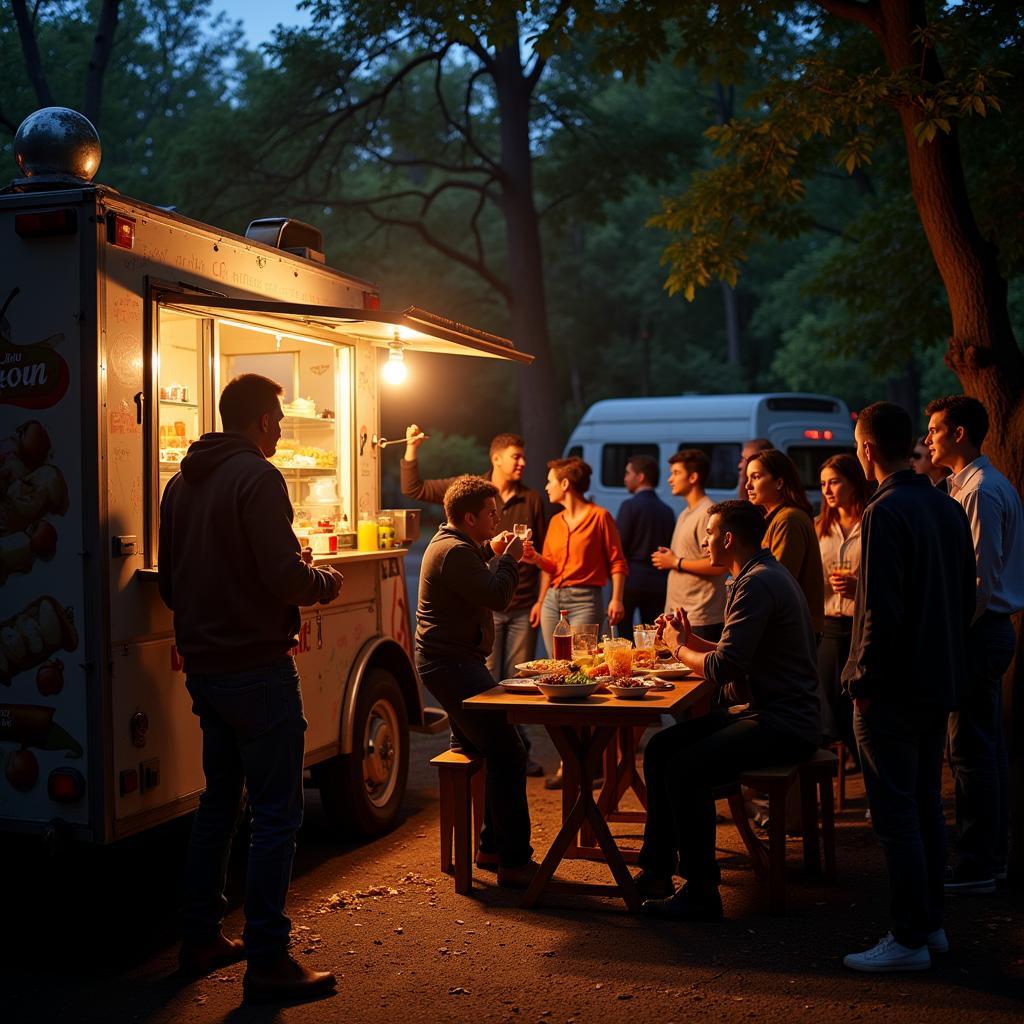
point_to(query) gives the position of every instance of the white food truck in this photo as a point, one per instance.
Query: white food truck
(121, 322)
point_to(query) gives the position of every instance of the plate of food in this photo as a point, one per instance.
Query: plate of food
(606, 679)
(519, 686)
(669, 670)
(546, 667)
(575, 686)
(631, 689)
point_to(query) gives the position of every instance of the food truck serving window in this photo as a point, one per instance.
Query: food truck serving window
(195, 355)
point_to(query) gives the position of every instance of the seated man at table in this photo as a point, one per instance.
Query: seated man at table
(459, 589)
(764, 665)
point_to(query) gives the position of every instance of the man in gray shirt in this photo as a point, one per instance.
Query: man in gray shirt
(765, 662)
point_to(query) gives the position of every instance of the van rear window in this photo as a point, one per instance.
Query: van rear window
(794, 403)
(724, 457)
(615, 456)
(808, 459)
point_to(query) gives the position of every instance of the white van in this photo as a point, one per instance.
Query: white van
(809, 428)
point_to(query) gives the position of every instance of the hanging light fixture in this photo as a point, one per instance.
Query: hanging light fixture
(394, 370)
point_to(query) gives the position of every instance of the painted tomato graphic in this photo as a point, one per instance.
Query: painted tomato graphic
(22, 769)
(50, 678)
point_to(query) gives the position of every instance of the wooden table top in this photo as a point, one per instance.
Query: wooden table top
(598, 709)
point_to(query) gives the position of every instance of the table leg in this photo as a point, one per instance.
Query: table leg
(581, 753)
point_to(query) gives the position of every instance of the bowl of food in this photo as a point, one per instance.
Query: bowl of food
(575, 686)
(630, 689)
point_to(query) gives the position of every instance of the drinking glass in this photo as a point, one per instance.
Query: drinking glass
(520, 530)
(618, 656)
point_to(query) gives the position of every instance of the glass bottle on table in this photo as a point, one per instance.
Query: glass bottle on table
(561, 639)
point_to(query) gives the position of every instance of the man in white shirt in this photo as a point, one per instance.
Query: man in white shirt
(693, 582)
(957, 427)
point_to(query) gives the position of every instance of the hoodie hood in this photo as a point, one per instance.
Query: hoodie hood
(211, 451)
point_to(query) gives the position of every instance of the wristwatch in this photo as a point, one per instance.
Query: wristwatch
(675, 653)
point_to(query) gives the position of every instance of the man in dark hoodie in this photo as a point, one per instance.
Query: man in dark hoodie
(232, 572)
(459, 590)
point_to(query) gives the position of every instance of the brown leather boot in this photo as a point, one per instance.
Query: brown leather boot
(197, 959)
(285, 980)
(518, 877)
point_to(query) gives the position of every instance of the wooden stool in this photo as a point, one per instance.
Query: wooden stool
(461, 779)
(769, 864)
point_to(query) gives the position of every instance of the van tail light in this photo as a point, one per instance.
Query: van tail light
(818, 435)
(371, 300)
(46, 223)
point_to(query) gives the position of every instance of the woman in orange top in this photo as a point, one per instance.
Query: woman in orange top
(581, 551)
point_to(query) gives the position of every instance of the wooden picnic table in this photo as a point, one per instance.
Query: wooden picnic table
(582, 731)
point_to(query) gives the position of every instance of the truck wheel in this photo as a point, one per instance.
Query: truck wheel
(361, 792)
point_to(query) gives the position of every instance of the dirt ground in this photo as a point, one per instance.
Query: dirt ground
(91, 937)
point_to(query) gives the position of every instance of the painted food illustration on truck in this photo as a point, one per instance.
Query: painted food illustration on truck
(30, 725)
(32, 376)
(30, 489)
(34, 635)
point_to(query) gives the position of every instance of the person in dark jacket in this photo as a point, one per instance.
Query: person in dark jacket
(906, 670)
(645, 524)
(765, 667)
(231, 570)
(459, 590)
(515, 639)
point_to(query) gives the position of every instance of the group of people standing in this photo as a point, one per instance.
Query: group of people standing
(884, 623)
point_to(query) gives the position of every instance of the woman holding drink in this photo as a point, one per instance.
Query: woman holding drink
(844, 493)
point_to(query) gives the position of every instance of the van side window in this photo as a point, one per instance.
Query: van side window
(575, 452)
(614, 458)
(724, 456)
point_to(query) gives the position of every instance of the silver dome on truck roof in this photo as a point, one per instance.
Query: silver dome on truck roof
(56, 144)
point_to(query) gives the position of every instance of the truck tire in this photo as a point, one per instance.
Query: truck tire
(362, 792)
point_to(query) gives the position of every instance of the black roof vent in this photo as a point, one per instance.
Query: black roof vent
(288, 235)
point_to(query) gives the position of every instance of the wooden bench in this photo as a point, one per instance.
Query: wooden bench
(815, 778)
(461, 778)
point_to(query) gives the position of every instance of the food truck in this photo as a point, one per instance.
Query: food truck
(120, 323)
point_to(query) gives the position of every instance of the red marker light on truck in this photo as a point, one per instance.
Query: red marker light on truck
(65, 785)
(818, 435)
(121, 231)
(46, 223)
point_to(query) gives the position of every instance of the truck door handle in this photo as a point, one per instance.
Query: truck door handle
(140, 402)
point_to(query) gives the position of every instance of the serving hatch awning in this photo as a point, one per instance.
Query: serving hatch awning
(414, 328)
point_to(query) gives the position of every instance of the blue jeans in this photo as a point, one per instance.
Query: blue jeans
(900, 750)
(253, 738)
(515, 641)
(506, 829)
(977, 749)
(583, 605)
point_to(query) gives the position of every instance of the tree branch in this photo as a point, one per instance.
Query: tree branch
(463, 130)
(867, 13)
(30, 51)
(102, 45)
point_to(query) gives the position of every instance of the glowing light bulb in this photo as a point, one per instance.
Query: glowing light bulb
(394, 370)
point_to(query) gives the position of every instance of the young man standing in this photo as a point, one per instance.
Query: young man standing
(454, 633)
(914, 601)
(766, 660)
(232, 572)
(693, 582)
(645, 522)
(515, 640)
(977, 747)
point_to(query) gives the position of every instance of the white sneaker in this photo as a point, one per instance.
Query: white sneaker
(889, 955)
(937, 941)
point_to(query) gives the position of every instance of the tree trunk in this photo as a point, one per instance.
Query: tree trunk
(982, 349)
(102, 45)
(30, 51)
(538, 391)
(725, 99)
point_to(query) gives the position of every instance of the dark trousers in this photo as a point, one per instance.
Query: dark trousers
(836, 706)
(682, 766)
(977, 749)
(253, 736)
(506, 829)
(900, 750)
(649, 603)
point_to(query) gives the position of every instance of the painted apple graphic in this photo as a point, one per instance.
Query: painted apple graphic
(22, 769)
(42, 540)
(50, 678)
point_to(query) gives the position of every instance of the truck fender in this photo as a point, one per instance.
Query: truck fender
(379, 652)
